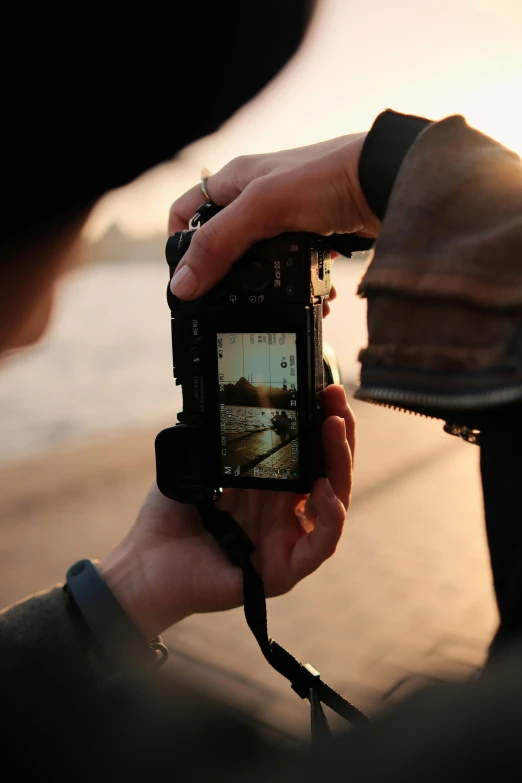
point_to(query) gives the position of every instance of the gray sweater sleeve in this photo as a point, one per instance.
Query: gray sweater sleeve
(50, 717)
(56, 724)
(38, 636)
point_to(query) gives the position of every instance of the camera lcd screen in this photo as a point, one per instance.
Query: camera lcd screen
(257, 376)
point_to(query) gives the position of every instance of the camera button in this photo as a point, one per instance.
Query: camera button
(218, 292)
(290, 290)
(254, 277)
(195, 356)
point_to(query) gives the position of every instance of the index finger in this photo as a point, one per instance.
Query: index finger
(226, 237)
(184, 208)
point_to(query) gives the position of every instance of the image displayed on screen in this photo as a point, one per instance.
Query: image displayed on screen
(257, 375)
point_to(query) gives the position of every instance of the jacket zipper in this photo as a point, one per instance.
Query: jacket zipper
(401, 400)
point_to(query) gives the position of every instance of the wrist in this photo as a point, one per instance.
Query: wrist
(368, 224)
(105, 629)
(126, 577)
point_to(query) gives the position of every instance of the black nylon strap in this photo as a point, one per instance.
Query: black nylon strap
(305, 681)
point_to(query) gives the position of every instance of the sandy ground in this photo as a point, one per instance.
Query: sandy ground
(408, 591)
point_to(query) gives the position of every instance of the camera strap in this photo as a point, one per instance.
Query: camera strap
(304, 679)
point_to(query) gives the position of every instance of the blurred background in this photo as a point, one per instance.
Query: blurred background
(408, 593)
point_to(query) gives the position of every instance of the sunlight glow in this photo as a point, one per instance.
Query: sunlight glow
(497, 111)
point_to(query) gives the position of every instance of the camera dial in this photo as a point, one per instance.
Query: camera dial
(253, 276)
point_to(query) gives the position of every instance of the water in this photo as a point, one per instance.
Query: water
(243, 418)
(261, 452)
(105, 366)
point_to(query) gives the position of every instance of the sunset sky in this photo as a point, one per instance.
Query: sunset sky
(251, 356)
(425, 57)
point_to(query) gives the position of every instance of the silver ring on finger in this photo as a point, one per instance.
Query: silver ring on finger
(205, 176)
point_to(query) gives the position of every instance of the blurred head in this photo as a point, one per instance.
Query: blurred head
(79, 126)
(30, 270)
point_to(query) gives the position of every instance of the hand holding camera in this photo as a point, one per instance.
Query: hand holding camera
(314, 188)
(168, 567)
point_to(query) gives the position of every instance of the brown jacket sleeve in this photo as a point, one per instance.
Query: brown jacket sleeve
(444, 288)
(444, 293)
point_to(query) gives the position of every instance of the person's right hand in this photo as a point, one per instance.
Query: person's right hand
(313, 188)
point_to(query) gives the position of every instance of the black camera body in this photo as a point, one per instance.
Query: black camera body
(249, 358)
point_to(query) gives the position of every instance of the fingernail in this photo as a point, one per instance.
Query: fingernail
(329, 490)
(184, 283)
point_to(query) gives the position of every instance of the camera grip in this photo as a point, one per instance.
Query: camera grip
(179, 470)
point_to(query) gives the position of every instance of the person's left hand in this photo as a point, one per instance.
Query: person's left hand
(314, 189)
(168, 567)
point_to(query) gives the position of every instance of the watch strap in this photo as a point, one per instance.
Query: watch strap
(114, 635)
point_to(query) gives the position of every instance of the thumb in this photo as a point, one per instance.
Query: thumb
(258, 213)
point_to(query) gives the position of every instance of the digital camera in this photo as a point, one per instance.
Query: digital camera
(249, 358)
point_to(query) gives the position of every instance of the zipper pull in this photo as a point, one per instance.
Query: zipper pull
(466, 433)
